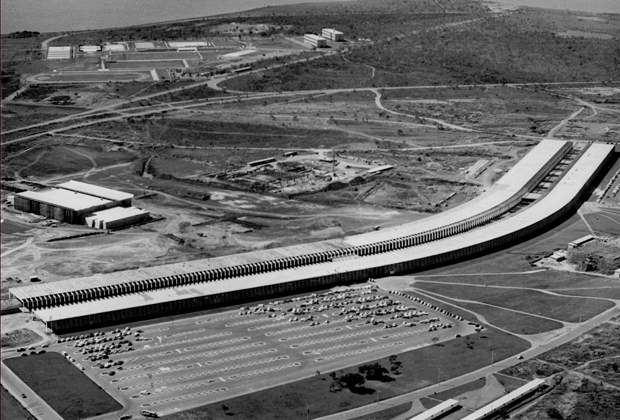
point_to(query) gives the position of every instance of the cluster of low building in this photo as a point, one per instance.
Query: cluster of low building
(320, 41)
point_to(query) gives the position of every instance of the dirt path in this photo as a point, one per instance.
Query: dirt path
(87, 156)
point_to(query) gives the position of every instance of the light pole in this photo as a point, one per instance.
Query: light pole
(491, 357)
(378, 396)
(438, 375)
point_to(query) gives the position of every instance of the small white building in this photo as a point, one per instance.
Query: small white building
(578, 242)
(315, 41)
(116, 217)
(332, 34)
(90, 48)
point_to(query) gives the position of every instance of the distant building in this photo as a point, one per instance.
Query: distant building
(578, 242)
(90, 48)
(315, 41)
(332, 34)
(379, 169)
(262, 161)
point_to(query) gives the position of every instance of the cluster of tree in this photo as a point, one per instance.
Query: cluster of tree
(369, 372)
(10, 82)
(24, 34)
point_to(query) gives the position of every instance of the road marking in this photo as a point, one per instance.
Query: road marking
(349, 327)
(178, 351)
(325, 315)
(223, 380)
(199, 364)
(373, 339)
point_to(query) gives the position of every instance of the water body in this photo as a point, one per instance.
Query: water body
(73, 15)
(593, 6)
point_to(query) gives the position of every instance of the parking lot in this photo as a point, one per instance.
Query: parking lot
(196, 361)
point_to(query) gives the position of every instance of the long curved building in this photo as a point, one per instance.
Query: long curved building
(493, 219)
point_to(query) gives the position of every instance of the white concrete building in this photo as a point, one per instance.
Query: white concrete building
(332, 34)
(315, 41)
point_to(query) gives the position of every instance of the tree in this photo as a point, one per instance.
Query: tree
(373, 371)
(352, 381)
(435, 340)
(395, 365)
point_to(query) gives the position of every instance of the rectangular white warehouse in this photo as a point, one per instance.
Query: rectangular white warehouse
(122, 198)
(332, 34)
(116, 217)
(63, 205)
(315, 40)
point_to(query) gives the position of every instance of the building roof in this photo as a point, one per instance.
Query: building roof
(95, 190)
(490, 199)
(64, 199)
(118, 213)
(560, 197)
(379, 169)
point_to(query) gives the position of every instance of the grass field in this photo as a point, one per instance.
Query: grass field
(136, 65)
(11, 409)
(546, 280)
(514, 322)
(62, 385)
(419, 369)
(569, 309)
(8, 227)
(64, 160)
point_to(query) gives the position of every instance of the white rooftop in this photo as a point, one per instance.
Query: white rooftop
(95, 190)
(65, 199)
(117, 213)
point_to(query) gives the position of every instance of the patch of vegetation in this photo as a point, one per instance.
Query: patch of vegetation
(595, 256)
(23, 34)
(600, 343)
(62, 385)
(499, 49)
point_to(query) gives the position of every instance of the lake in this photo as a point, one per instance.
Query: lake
(72, 15)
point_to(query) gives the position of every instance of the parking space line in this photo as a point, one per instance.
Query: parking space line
(223, 380)
(349, 327)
